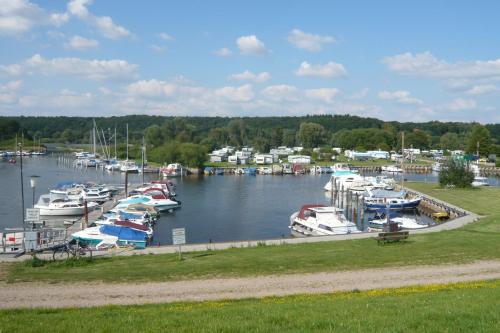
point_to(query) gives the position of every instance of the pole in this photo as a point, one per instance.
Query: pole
(127, 141)
(402, 159)
(126, 183)
(86, 210)
(143, 157)
(22, 184)
(33, 196)
(331, 188)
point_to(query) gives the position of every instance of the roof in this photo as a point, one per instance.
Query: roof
(379, 193)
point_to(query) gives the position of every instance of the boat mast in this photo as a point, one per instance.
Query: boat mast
(127, 141)
(402, 159)
(115, 144)
(143, 158)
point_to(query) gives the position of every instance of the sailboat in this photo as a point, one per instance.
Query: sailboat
(128, 166)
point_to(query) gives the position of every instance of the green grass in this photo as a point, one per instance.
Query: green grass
(462, 307)
(479, 240)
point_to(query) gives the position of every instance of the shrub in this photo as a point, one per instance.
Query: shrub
(456, 173)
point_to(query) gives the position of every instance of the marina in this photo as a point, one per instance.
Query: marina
(264, 214)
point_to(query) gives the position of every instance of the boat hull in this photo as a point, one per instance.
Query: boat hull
(393, 206)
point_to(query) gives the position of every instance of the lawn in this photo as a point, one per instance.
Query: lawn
(461, 307)
(479, 240)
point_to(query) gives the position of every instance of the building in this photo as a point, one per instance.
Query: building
(281, 151)
(379, 154)
(299, 159)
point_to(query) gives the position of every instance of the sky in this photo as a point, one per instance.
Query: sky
(392, 60)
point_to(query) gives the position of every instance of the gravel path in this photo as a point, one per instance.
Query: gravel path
(30, 295)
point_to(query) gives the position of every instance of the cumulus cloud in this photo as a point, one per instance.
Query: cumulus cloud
(80, 43)
(323, 94)
(251, 45)
(104, 24)
(482, 89)
(151, 88)
(309, 42)
(20, 16)
(236, 94)
(89, 69)
(281, 92)
(250, 76)
(223, 52)
(427, 65)
(460, 104)
(328, 70)
(399, 96)
(359, 94)
(11, 85)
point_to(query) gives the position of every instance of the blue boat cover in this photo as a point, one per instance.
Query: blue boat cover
(123, 233)
(129, 216)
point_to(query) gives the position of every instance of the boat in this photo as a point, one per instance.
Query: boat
(378, 199)
(403, 222)
(160, 204)
(95, 195)
(480, 181)
(436, 167)
(340, 167)
(138, 209)
(174, 170)
(129, 166)
(391, 169)
(61, 206)
(111, 234)
(320, 220)
(343, 179)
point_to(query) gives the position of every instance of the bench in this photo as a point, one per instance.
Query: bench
(394, 236)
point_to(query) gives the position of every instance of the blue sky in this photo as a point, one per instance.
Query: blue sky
(394, 60)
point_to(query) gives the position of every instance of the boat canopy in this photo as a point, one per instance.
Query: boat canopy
(132, 225)
(304, 208)
(123, 233)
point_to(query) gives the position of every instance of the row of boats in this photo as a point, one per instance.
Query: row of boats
(129, 223)
(379, 198)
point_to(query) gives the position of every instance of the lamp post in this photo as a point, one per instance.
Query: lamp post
(33, 183)
(22, 184)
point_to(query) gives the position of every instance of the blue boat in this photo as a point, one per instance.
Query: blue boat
(382, 199)
(111, 235)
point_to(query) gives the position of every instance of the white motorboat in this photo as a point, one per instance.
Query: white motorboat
(391, 169)
(319, 220)
(480, 181)
(129, 166)
(174, 170)
(74, 194)
(61, 206)
(160, 204)
(340, 167)
(344, 180)
(436, 167)
(405, 223)
(95, 195)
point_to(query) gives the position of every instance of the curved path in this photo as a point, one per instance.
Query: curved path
(30, 295)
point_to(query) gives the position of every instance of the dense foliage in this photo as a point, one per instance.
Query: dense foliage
(456, 173)
(350, 132)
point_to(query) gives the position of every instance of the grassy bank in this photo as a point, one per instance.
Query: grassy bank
(475, 241)
(462, 307)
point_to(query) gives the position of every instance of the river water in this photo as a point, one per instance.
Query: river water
(214, 208)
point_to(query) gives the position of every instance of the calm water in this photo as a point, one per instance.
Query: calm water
(216, 208)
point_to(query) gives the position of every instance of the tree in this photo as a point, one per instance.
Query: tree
(449, 141)
(288, 138)
(193, 155)
(479, 139)
(418, 139)
(311, 134)
(153, 135)
(456, 173)
(237, 131)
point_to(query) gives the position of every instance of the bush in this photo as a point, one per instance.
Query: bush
(456, 173)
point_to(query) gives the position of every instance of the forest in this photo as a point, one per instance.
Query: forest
(165, 135)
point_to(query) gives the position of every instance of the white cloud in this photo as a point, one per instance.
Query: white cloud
(309, 42)
(399, 96)
(236, 94)
(328, 70)
(65, 99)
(427, 65)
(11, 85)
(223, 52)
(323, 94)
(151, 88)
(165, 36)
(20, 16)
(281, 92)
(482, 89)
(89, 69)
(250, 76)
(80, 43)
(157, 48)
(104, 24)
(459, 104)
(250, 45)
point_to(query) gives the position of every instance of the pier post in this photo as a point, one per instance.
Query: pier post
(126, 183)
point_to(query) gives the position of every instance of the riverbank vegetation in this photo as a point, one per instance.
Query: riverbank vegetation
(458, 307)
(475, 241)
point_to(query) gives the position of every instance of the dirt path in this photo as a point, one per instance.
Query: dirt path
(22, 295)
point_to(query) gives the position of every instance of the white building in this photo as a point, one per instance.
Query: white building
(299, 159)
(379, 154)
(412, 151)
(265, 158)
(282, 151)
